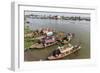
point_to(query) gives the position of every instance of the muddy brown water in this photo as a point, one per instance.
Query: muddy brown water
(82, 34)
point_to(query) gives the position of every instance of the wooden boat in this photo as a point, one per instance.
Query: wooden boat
(65, 52)
(40, 46)
(50, 42)
(45, 42)
(64, 39)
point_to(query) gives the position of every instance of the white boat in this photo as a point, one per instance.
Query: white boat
(67, 51)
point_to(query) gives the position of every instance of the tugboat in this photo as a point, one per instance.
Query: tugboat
(63, 51)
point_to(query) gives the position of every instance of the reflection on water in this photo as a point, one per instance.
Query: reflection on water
(80, 28)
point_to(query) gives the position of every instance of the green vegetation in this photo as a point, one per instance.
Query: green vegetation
(28, 41)
(27, 29)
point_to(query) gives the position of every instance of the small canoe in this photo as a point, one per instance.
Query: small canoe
(62, 55)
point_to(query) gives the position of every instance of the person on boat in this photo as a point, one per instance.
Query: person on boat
(56, 52)
(70, 36)
(41, 32)
(67, 38)
(64, 40)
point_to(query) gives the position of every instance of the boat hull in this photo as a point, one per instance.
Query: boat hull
(62, 55)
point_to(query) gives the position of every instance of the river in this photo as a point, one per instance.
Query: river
(80, 28)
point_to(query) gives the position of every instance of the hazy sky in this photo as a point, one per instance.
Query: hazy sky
(57, 13)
